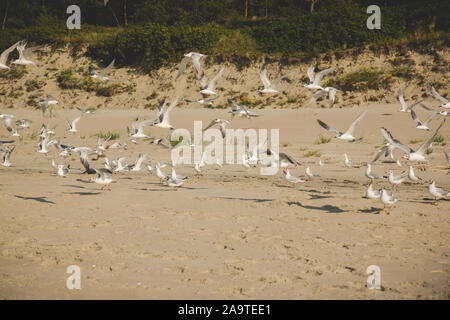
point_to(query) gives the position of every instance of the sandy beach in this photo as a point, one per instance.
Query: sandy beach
(229, 233)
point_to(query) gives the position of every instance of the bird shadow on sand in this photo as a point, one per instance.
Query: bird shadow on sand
(429, 200)
(83, 193)
(370, 210)
(73, 186)
(327, 207)
(38, 199)
(84, 181)
(168, 189)
(246, 199)
(317, 197)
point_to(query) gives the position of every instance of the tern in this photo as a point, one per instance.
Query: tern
(208, 88)
(159, 173)
(7, 120)
(63, 150)
(348, 135)
(315, 79)
(138, 128)
(103, 74)
(202, 101)
(87, 111)
(445, 102)
(50, 100)
(438, 193)
(164, 117)
(410, 154)
(292, 179)
(404, 106)
(6, 155)
(442, 113)
(387, 199)
(102, 178)
(102, 144)
(269, 87)
(222, 125)
(191, 57)
(25, 54)
(5, 54)
(24, 123)
(372, 194)
(175, 183)
(422, 125)
(44, 144)
(348, 163)
(282, 159)
(138, 164)
(73, 126)
(411, 175)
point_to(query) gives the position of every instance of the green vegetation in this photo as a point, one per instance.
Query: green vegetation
(439, 140)
(322, 140)
(106, 135)
(313, 153)
(16, 72)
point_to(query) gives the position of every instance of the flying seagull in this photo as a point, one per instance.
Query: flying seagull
(315, 79)
(405, 107)
(25, 54)
(269, 87)
(164, 116)
(208, 88)
(240, 110)
(442, 113)
(103, 74)
(322, 92)
(191, 57)
(222, 123)
(420, 124)
(73, 125)
(348, 135)
(138, 128)
(445, 103)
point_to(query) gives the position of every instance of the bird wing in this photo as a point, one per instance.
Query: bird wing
(394, 142)
(27, 52)
(401, 99)
(447, 158)
(166, 115)
(438, 96)
(384, 149)
(75, 121)
(318, 94)
(108, 69)
(211, 124)
(327, 127)
(203, 81)
(264, 79)
(212, 83)
(430, 139)
(5, 54)
(430, 117)
(84, 160)
(277, 81)
(321, 74)
(426, 108)
(414, 117)
(352, 127)
(184, 62)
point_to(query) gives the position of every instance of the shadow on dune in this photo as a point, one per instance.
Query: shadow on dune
(328, 207)
(38, 199)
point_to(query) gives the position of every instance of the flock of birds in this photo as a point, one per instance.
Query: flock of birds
(251, 158)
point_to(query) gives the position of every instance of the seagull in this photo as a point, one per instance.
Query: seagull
(442, 113)
(7, 118)
(222, 123)
(438, 193)
(370, 174)
(44, 131)
(121, 165)
(283, 161)
(175, 183)
(62, 170)
(410, 154)
(387, 150)
(240, 110)
(447, 158)
(103, 74)
(159, 173)
(44, 144)
(6, 155)
(176, 176)
(314, 80)
(292, 179)
(102, 144)
(387, 199)
(24, 123)
(72, 126)
(164, 142)
(422, 125)
(208, 88)
(321, 163)
(138, 128)
(102, 178)
(138, 164)
(445, 103)
(348, 163)
(322, 92)
(405, 107)
(269, 87)
(193, 57)
(117, 145)
(5, 54)
(348, 135)
(395, 180)
(199, 165)
(372, 194)
(202, 101)
(164, 117)
(411, 175)
(25, 54)
(84, 159)
(87, 111)
(309, 173)
(46, 102)
(63, 150)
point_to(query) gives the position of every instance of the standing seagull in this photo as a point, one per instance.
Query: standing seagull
(102, 178)
(405, 107)
(292, 179)
(25, 54)
(164, 117)
(438, 193)
(103, 74)
(348, 135)
(411, 175)
(314, 80)
(73, 125)
(387, 199)
(269, 87)
(395, 180)
(193, 57)
(445, 103)
(208, 88)
(5, 54)
(372, 194)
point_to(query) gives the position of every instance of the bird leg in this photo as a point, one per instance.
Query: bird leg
(103, 187)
